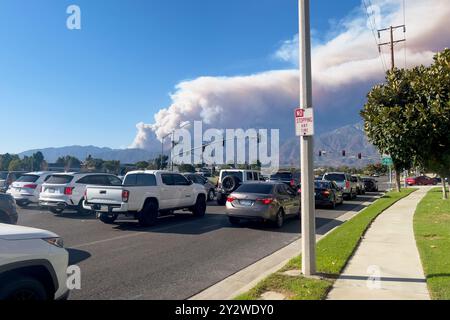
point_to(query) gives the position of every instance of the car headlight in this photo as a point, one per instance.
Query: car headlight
(57, 242)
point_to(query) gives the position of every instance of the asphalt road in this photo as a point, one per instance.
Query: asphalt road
(176, 259)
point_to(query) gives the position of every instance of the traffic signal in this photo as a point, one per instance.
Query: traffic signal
(320, 153)
(359, 156)
(344, 153)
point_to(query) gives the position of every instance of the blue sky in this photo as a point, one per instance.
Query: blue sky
(91, 87)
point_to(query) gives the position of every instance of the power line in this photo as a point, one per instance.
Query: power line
(392, 42)
(372, 23)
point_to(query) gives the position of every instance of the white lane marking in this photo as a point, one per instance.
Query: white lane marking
(135, 234)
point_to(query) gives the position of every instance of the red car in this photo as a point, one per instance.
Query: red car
(421, 181)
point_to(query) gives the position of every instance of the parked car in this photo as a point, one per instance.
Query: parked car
(344, 181)
(63, 191)
(263, 201)
(7, 178)
(328, 193)
(33, 264)
(202, 180)
(360, 187)
(27, 188)
(292, 179)
(145, 196)
(421, 181)
(370, 184)
(231, 179)
(8, 210)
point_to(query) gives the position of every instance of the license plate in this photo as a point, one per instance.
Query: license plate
(51, 190)
(246, 203)
(104, 209)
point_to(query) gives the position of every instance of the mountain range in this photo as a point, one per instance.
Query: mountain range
(350, 138)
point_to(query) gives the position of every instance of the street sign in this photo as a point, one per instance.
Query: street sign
(387, 161)
(304, 122)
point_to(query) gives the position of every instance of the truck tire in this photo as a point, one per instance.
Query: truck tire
(149, 215)
(56, 210)
(199, 209)
(107, 218)
(22, 288)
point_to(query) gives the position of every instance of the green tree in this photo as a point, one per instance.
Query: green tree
(430, 114)
(111, 166)
(386, 124)
(142, 165)
(15, 165)
(186, 168)
(161, 162)
(69, 162)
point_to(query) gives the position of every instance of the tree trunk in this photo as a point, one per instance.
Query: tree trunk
(444, 190)
(397, 181)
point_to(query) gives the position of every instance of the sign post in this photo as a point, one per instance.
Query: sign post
(305, 129)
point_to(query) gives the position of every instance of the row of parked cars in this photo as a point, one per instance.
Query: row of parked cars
(249, 196)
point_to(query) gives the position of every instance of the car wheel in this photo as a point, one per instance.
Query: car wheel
(279, 222)
(56, 210)
(20, 288)
(211, 195)
(199, 209)
(23, 204)
(333, 205)
(108, 218)
(234, 221)
(149, 215)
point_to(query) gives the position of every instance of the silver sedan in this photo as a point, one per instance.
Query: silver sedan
(263, 201)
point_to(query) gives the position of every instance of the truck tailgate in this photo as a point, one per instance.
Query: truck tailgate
(104, 195)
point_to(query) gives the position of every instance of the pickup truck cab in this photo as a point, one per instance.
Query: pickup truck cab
(146, 195)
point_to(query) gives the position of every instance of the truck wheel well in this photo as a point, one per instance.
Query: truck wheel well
(40, 273)
(201, 196)
(150, 200)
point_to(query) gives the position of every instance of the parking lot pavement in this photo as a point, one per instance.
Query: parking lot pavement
(176, 259)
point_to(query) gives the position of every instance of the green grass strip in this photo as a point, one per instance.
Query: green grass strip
(432, 230)
(333, 253)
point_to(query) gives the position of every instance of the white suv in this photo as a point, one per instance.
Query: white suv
(66, 190)
(33, 264)
(231, 179)
(27, 188)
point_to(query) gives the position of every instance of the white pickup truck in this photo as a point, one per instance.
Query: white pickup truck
(146, 195)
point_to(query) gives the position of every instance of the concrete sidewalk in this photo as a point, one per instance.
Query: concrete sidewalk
(386, 266)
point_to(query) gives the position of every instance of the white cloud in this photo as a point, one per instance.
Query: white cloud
(346, 61)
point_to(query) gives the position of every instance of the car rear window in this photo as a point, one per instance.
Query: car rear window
(322, 185)
(255, 188)
(334, 177)
(282, 176)
(140, 180)
(28, 178)
(59, 179)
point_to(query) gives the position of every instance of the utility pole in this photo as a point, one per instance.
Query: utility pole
(391, 43)
(306, 145)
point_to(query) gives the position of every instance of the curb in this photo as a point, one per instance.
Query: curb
(249, 277)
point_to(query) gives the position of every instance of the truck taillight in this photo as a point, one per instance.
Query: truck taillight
(125, 195)
(347, 184)
(68, 191)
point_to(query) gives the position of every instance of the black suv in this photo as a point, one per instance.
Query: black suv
(292, 179)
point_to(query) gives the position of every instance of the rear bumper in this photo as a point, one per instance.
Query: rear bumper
(53, 204)
(106, 208)
(252, 214)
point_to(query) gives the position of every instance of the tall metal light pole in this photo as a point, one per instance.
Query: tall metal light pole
(306, 145)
